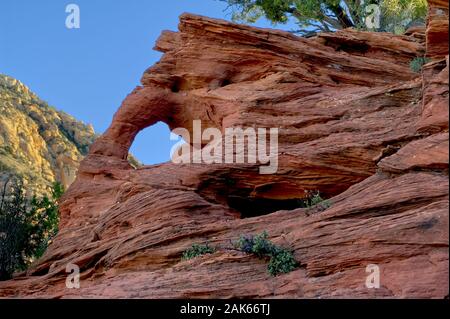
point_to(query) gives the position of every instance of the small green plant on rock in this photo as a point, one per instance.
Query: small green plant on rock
(315, 200)
(417, 63)
(281, 259)
(197, 250)
(281, 262)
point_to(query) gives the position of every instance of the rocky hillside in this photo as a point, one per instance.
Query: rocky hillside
(355, 123)
(37, 142)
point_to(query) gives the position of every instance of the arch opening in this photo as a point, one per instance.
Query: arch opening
(152, 145)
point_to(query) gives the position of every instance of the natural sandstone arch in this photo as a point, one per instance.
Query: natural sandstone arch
(349, 124)
(173, 90)
(247, 75)
(142, 108)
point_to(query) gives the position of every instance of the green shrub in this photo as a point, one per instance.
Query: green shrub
(258, 245)
(281, 262)
(417, 63)
(315, 200)
(281, 259)
(26, 226)
(6, 150)
(197, 250)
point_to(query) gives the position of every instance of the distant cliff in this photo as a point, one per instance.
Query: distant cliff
(37, 142)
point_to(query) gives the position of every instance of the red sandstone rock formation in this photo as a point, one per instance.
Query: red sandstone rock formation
(355, 123)
(437, 28)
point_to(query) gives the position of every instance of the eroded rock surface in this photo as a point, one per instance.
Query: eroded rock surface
(355, 123)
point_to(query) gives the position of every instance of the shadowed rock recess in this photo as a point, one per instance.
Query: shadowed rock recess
(355, 123)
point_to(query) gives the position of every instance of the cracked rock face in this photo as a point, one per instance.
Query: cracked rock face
(355, 123)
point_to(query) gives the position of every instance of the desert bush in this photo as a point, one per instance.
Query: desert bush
(314, 199)
(197, 250)
(26, 226)
(281, 262)
(417, 63)
(281, 259)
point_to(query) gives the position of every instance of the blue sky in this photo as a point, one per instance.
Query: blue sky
(87, 72)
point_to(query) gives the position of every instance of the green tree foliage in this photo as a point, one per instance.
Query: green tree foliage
(329, 15)
(26, 226)
(398, 15)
